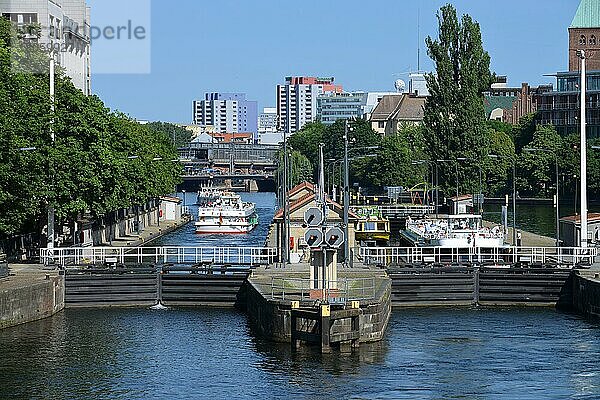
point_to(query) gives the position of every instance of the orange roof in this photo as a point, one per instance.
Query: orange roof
(592, 217)
(304, 200)
(300, 186)
(461, 197)
(229, 137)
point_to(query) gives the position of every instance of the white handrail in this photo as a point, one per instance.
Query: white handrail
(72, 256)
(560, 256)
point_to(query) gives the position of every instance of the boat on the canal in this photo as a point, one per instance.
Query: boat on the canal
(372, 228)
(224, 213)
(454, 231)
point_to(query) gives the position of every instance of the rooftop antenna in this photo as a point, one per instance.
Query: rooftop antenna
(419, 38)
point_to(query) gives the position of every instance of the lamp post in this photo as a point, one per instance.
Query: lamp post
(286, 203)
(583, 206)
(50, 241)
(514, 194)
(348, 259)
(557, 202)
(429, 164)
(480, 187)
(456, 169)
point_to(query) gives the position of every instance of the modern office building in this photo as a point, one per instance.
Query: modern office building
(561, 107)
(267, 120)
(347, 105)
(297, 100)
(64, 24)
(227, 112)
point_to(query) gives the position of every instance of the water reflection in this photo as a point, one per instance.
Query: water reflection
(200, 353)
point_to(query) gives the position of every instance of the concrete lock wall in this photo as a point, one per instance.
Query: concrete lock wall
(586, 295)
(272, 318)
(26, 303)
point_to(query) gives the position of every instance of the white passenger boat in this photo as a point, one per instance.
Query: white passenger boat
(455, 231)
(224, 212)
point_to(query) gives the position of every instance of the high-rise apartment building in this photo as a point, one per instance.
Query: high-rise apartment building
(65, 25)
(226, 112)
(297, 100)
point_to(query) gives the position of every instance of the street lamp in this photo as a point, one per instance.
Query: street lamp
(514, 195)
(456, 168)
(557, 191)
(429, 164)
(584, 210)
(480, 188)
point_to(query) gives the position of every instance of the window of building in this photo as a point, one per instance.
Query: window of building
(593, 39)
(381, 124)
(582, 40)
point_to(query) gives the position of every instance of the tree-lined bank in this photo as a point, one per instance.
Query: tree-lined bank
(99, 161)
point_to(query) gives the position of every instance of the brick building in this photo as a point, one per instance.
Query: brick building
(584, 34)
(561, 107)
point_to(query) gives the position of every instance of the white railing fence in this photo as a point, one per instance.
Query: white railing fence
(399, 209)
(559, 256)
(76, 256)
(340, 290)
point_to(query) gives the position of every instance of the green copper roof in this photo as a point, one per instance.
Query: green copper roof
(588, 15)
(490, 103)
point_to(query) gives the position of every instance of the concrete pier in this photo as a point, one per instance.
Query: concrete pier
(283, 308)
(586, 293)
(29, 294)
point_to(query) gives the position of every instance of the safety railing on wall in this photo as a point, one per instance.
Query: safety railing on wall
(77, 256)
(338, 291)
(558, 256)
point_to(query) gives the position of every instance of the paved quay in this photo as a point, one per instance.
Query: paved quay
(151, 233)
(30, 293)
(528, 239)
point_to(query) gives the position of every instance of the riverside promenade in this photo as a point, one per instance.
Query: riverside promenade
(151, 233)
(528, 239)
(33, 291)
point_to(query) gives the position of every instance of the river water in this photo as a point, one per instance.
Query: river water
(439, 353)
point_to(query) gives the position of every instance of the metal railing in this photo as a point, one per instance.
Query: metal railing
(399, 209)
(340, 290)
(3, 266)
(76, 256)
(559, 256)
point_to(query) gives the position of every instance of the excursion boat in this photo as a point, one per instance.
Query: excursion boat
(372, 227)
(454, 231)
(224, 212)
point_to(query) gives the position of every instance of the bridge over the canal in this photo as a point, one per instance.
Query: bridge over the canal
(248, 166)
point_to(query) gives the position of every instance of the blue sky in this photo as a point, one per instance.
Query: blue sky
(249, 46)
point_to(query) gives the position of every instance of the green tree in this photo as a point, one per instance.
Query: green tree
(180, 137)
(300, 168)
(536, 169)
(99, 161)
(497, 172)
(524, 131)
(395, 162)
(307, 141)
(454, 113)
